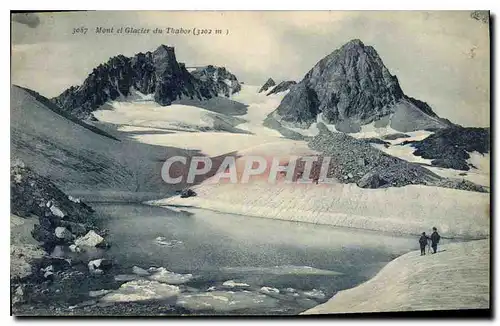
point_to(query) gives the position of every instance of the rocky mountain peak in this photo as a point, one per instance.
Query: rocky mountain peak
(268, 84)
(156, 72)
(352, 85)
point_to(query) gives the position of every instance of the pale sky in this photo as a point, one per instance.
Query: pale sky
(441, 58)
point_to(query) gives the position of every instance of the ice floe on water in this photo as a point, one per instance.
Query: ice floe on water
(233, 284)
(225, 301)
(98, 293)
(280, 270)
(125, 277)
(140, 290)
(269, 290)
(140, 271)
(315, 294)
(163, 275)
(162, 241)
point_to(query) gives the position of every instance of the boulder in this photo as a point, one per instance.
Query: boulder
(371, 180)
(99, 266)
(48, 275)
(91, 239)
(74, 248)
(63, 233)
(188, 193)
(18, 295)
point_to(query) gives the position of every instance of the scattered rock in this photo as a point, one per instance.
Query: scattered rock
(98, 293)
(188, 193)
(315, 294)
(164, 276)
(269, 290)
(91, 239)
(225, 301)
(63, 233)
(371, 180)
(18, 295)
(56, 211)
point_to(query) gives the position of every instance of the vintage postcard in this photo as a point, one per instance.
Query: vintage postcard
(250, 163)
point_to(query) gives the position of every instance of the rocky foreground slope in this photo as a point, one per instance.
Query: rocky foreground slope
(53, 239)
(457, 277)
(352, 85)
(158, 73)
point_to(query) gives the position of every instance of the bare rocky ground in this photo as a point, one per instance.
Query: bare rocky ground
(57, 250)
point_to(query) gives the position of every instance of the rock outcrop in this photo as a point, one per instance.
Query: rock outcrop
(450, 148)
(268, 84)
(352, 84)
(158, 73)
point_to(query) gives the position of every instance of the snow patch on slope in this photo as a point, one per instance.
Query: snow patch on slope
(456, 212)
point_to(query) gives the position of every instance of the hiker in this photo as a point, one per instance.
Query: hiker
(435, 237)
(423, 243)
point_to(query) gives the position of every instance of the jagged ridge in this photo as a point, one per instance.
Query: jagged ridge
(156, 73)
(283, 86)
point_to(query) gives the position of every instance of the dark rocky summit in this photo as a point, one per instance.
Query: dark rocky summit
(356, 161)
(283, 86)
(450, 148)
(268, 84)
(156, 73)
(352, 84)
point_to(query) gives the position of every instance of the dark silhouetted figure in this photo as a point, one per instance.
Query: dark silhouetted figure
(423, 243)
(435, 237)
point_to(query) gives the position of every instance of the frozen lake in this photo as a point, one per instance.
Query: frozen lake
(306, 263)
